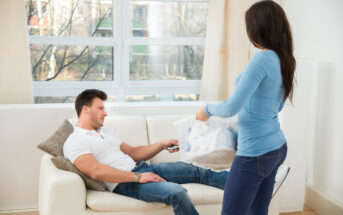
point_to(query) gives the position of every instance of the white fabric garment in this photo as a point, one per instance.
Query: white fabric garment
(208, 144)
(105, 150)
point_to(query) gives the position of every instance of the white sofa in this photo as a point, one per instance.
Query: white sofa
(64, 193)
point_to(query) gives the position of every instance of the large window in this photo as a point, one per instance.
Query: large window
(134, 50)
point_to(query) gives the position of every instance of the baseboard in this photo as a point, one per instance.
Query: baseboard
(320, 203)
(20, 212)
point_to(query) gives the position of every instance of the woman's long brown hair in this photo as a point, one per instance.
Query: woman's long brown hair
(267, 27)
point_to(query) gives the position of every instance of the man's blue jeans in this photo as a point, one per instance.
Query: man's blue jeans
(250, 183)
(171, 192)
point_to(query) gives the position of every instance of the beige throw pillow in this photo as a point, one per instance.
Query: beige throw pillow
(54, 144)
(65, 164)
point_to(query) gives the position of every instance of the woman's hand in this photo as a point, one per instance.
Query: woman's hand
(201, 115)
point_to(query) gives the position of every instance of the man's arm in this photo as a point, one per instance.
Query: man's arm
(87, 164)
(140, 153)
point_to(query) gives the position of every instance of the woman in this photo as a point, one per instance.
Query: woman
(259, 95)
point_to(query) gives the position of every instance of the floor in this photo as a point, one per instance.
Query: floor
(307, 211)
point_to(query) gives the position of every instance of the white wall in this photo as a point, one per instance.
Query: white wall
(318, 33)
(296, 118)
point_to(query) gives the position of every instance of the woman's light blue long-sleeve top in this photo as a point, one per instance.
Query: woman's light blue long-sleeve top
(257, 98)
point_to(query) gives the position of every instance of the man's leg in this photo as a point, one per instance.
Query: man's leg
(182, 173)
(165, 192)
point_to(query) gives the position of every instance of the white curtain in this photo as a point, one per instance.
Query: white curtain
(15, 66)
(226, 49)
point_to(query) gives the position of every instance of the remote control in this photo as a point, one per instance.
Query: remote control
(173, 147)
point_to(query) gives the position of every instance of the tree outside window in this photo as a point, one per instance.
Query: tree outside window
(81, 41)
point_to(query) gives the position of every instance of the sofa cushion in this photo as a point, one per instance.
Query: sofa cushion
(106, 201)
(54, 144)
(203, 194)
(161, 128)
(65, 164)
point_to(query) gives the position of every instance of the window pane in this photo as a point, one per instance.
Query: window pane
(166, 62)
(71, 63)
(69, 17)
(128, 98)
(63, 99)
(142, 98)
(168, 19)
(54, 99)
(186, 97)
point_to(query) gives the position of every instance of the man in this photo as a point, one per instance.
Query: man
(98, 153)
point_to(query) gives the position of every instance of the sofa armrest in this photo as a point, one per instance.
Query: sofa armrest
(60, 192)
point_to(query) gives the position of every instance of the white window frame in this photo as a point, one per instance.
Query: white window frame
(120, 41)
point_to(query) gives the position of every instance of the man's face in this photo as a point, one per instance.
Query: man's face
(97, 113)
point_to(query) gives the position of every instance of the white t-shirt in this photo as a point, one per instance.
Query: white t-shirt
(105, 150)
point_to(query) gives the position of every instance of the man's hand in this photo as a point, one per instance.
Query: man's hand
(172, 142)
(201, 115)
(149, 177)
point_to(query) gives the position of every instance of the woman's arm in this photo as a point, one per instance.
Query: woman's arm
(247, 85)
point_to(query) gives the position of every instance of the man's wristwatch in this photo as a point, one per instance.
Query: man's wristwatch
(137, 175)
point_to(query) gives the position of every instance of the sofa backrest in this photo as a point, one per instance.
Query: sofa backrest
(140, 130)
(161, 128)
(129, 129)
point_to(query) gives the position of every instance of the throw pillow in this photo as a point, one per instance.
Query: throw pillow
(54, 144)
(63, 163)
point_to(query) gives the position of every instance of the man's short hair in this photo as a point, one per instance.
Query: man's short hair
(86, 98)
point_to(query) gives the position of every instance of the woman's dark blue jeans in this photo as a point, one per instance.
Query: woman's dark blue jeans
(250, 183)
